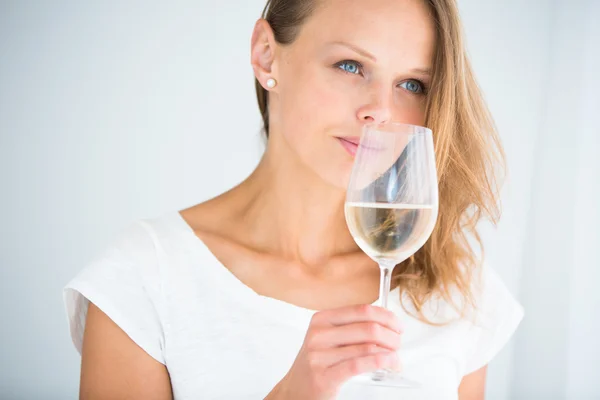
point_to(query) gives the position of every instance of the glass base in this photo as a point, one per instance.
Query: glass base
(387, 378)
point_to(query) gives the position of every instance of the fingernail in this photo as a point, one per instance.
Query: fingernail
(397, 369)
(399, 326)
(397, 366)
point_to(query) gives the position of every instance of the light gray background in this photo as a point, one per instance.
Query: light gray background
(112, 111)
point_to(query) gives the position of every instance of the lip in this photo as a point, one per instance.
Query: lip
(350, 144)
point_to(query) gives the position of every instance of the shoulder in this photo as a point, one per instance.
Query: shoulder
(221, 217)
(494, 319)
(137, 246)
(492, 298)
(484, 325)
(125, 281)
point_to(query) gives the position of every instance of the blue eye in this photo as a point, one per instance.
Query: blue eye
(349, 66)
(413, 86)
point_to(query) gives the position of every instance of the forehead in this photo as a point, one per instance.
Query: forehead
(391, 30)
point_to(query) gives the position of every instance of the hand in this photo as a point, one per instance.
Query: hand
(339, 344)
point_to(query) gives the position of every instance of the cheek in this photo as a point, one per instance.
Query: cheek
(410, 111)
(313, 107)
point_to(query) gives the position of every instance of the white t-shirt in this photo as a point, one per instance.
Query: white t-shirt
(221, 340)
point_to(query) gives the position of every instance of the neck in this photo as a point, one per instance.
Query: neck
(288, 210)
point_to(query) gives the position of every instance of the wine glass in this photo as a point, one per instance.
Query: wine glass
(391, 206)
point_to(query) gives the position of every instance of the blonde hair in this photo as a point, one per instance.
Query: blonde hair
(469, 157)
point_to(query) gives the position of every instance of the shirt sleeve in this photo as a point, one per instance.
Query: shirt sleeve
(123, 282)
(497, 317)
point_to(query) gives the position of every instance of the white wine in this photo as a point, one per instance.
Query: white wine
(390, 231)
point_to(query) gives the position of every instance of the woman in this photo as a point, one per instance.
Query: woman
(261, 292)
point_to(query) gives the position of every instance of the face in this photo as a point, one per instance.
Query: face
(354, 62)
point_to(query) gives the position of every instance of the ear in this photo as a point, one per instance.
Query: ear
(262, 54)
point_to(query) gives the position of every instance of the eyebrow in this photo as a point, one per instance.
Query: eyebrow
(421, 71)
(366, 54)
(356, 49)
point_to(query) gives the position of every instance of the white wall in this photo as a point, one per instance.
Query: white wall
(509, 43)
(557, 350)
(109, 111)
(583, 348)
(112, 111)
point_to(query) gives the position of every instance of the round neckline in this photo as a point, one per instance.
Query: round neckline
(292, 313)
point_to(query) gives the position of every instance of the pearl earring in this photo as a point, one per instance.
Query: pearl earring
(271, 83)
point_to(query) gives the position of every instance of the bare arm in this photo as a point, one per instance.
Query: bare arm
(472, 386)
(114, 367)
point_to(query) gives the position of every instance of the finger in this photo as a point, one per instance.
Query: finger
(358, 313)
(355, 366)
(358, 333)
(331, 356)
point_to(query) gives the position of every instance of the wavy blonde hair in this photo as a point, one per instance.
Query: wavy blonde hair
(469, 158)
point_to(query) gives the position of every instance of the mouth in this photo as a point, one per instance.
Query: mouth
(349, 143)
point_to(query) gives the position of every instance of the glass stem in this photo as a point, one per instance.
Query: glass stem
(385, 282)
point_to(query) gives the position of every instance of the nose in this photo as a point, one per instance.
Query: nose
(378, 110)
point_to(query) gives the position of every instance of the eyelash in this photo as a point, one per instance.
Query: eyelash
(360, 68)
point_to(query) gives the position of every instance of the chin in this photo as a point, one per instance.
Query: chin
(332, 165)
(336, 176)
